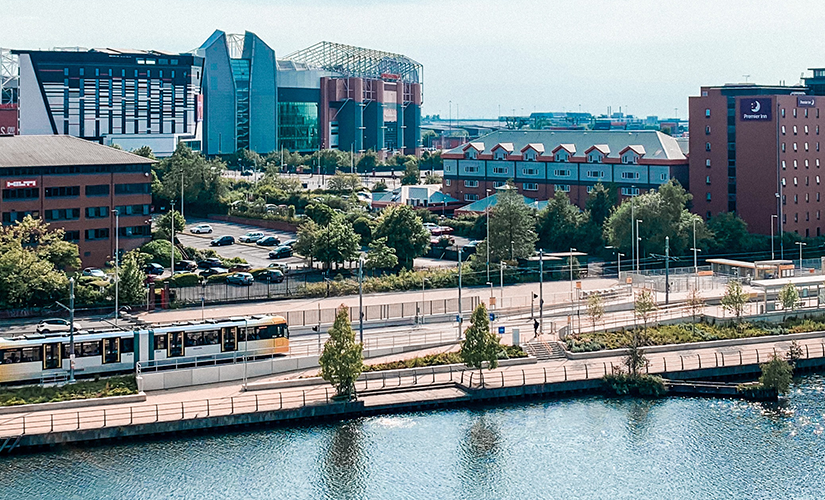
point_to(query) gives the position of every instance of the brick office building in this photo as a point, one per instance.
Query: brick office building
(76, 184)
(756, 151)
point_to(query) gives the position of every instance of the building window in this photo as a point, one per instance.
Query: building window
(97, 190)
(298, 128)
(71, 236)
(795, 147)
(529, 171)
(10, 217)
(471, 154)
(796, 217)
(133, 188)
(707, 130)
(708, 197)
(707, 180)
(817, 215)
(783, 181)
(500, 154)
(630, 191)
(470, 170)
(794, 127)
(806, 163)
(806, 127)
(663, 177)
(783, 147)
(127, 210)
(530, 186)
(796, 199)
(783, 165)
(97, 234)
(595, 174)
(62, 214)
(631, 175)
(500, 170)
(136, 231)
(561, 173)
(707, 112)
(783, 129)
(817, 180)
(806, 146)
(498, 184)
(595, 158)
(563, 187)
(707, 146)
(62, 191)
(707, 163)
(783, 114)
(447, 182)
(97, 212)
(21, 194)
(470, 197)
(817, 163)
(794, 115)
(470, 184)
(795, 165)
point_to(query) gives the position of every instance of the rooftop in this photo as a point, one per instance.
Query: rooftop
(60, 150)
(359, 62)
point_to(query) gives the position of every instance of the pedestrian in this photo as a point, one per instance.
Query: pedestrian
(535, 328)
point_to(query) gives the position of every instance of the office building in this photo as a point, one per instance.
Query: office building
(755, 150)
(541, 162)
(75, 185)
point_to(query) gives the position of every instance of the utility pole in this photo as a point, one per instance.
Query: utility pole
(181, 192)
(361, 298)
(117, 262)
(460, 319)
(667, 269)
(541, 292)
(172, 240)
(71, 331)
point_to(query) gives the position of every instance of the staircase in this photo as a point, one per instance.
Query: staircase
(543, 350)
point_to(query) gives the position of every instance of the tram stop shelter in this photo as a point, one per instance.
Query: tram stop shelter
(761, 269)
(811, 289)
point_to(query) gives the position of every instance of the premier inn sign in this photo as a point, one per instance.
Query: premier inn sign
(751, 109)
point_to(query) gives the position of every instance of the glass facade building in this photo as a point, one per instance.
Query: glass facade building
(298, 126)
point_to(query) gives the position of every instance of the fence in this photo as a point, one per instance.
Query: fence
(99, 418)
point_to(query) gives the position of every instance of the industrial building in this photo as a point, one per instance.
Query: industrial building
(541, 162)
(77, 185)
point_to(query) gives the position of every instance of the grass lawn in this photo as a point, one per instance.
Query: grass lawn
(87, 389)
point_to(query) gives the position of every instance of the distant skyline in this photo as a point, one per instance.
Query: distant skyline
(520, 56)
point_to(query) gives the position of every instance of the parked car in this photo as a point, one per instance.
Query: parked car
(281, 252)
(95, 273)
(201, 229)
(244, 279)
(470, 247)
(222, 240)
(441, 230)
(55, 326)
(289, 243)
(279, 266)
(268, 241)
(185, 265)
(437, 241)
(213, 271)
(210, 262)
(153, 268)
(251, 237)
(270, 275)
(240, 268)
(429, 226)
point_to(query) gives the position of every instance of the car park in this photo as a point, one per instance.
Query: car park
(185, 265)
(201, 229)
(268, 241)
(210, 262)
(279, 266)
(289, 243)
(244, 279)
(281, 252)
(153, 268)
(54, 326)
(213, 271)
(222, 240)
(270, 275)
(95, 272)
(251, 237)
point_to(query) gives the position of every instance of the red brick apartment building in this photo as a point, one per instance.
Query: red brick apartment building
(77, 185)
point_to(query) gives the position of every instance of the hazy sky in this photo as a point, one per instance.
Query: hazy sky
(646, 56)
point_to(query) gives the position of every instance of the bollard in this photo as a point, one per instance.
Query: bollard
(716, 357)
(807, 354)
(757, 356)
(366, 383)
(281, 397)
(433, 375)
(182, 413)
(157, 414)
(683, 362)
(78, 420)
(132, 415)
(740, 358)
(545, 375)
(565, 373)
(304, 396)
(523, 378)
(326, 394)
(723, 358)
(586, 373)
(699, 357)
(502, 379)
(104, 417)
(605, 368)
(451, 372)
(207, 407)
(665, 362)
(415, 378)
(256, 403)
(232, 406)
(52, 415)
(471, 381)
(462, 377)
(24, 425)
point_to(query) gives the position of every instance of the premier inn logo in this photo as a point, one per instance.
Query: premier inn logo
(755, 109)
(30, 183)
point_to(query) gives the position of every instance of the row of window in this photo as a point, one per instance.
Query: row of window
(782, 112)
(81, 350)
(230, 335)
(796, 146)
(805, 162)
(62, 170)
(592, 175)
(596, 157)
(74, 191)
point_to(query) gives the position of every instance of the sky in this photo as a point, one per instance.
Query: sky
(481, 58)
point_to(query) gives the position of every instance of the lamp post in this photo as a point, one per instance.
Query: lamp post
(487, 216)
(172, 239)
(773, 216)
(801, 244)
(246, 347)
(695, 259)
(501, 278)
(541, 292)
(423, 284)
(460, 319)
(361, 299)
(619, 256)
(71, 331)
(638, 239)
(572, 302)
(117, 262)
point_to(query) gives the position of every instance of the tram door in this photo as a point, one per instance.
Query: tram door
(111, 351)
(229, 339)
(51, 356)
(175, 345)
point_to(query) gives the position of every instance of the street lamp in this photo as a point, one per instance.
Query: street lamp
(619, 256)
(572, 303)
(541, 292)
(460, 319)
(638, 239)
(423, 284)
(117, 261)
(361, 298)
(801, 244)
(245, 348)
(172, 240)
(487, 216)
(501, 272)
(773, 216)
(695, 261)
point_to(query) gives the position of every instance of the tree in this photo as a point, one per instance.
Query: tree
(344, 183)
(203, 184)
(788, 296)
(644, 306)
(131, 278)
(342, 360)
(363, 227)
(432, 178)
(165, 221)
(405, 233)
(379, 187)
(337, 242)
(480, 345)
(380, 256)
(512, 224)
(412, 175)
(730, 233)
(794, 353)
(431, 161)
(367, 162)
(160, 251)
(144, 151)
(321, 213)
(558, 223)
(734, 299)
(307, 240)
(777, 374)
(600, 202)
(595, 308)
(47, 244)
(289, 185)
(695, 304)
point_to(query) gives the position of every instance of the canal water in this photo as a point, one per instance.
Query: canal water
(590, 447)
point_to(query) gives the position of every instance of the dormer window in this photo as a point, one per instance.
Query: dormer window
(630, 159)
(500, 154)
(562, 156)
(594, 157)
(529, 155)
(471, 154)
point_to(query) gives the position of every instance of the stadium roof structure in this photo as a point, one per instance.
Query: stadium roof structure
(359, 62)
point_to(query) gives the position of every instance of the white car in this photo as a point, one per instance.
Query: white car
(251, 237)
(201, 229)
(95, 273)
(55, 326)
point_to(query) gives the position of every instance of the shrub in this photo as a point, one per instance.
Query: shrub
(623, 384)
(181, 280)
(217, 278)
(98, 388)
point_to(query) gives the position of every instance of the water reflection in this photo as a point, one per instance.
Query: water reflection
(638, 418)
(343, 462)
(480, 457)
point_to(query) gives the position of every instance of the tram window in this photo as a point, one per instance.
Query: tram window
(11, 356)
(194, 338)
(32, 354)
(282, 331)
(127, 345)
(160, 342)
(88, 349)
(110, 356)
(254, 333)
(211, 338)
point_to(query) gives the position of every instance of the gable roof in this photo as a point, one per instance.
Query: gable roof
(507, 146)
(537, 147)
(570, 148)
(61, 150)
(636, 148)
(601, 148)
(478, 146)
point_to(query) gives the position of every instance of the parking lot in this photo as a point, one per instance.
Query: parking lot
(257, 256)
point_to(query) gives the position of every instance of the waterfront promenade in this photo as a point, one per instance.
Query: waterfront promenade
(229, 406)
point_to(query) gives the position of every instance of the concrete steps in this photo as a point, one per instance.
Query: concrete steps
(543, 350)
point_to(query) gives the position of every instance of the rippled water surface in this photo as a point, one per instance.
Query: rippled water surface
(575, 448)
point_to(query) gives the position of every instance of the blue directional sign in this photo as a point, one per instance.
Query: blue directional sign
(492, 316)
(501, 330)
(457, 318)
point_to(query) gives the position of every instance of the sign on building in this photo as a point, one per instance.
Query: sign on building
(755, 109)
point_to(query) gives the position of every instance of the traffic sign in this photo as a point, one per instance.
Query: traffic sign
(492, 316)
(501, 330)
(457, 318)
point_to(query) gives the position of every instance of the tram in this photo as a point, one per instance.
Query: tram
(35, 357)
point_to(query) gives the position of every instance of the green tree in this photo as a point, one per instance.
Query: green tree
(320, 212)
(730, 234)
(794, 353)
(427, 138)
(307, 240)
(203, 184)
(329, 160)
(480, 345)
(47, 244)
(165, 221)
(344, 183)
(788, 296)
(512, 224)
(132, 278)
(337, 242)
(363, 226)
(144, 151)
(289, 185)
(734, 299)
(600, 202)
(431, 161)
(558, 223)
(644, 306)
(380, 256)
(342, 360)
(379, 187)
(777, 374)
(432, 178)
(160, 251)
(405, 233)
(367, 162)
(595, 308)
(412, 175)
